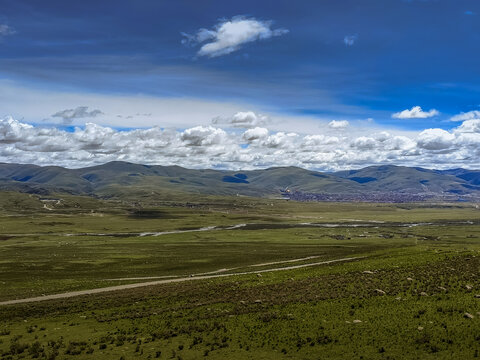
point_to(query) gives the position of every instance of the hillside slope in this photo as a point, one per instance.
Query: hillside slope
(116, 178)
(411, 180)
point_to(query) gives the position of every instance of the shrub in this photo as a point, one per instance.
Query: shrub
(35, 349)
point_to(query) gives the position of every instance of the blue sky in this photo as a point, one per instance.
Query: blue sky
(303, 63)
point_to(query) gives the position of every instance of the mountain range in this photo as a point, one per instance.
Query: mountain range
(116, 178)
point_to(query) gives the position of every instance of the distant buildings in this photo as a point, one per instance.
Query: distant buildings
(382, 197)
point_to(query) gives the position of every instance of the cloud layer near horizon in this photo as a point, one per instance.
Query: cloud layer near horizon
(255, 147)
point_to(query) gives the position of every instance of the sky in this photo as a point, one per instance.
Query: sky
(326, 85)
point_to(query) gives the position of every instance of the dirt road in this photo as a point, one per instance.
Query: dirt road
(165, 281)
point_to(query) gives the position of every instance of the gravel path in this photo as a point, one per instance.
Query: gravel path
(160, 282)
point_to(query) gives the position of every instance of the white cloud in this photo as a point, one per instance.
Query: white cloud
(242, 119)
(79, 112)
(229, 35)
(475, 114)
(401, 143)
(313, 141)
(97, 138)
(338, 124)
(204, 136)
(435, 139)
(349, 40)
(469, 126)
(6, 30)
(281, 140)
(415, 112)
(11, 131)
(255, 134)
(364, 143)
(382, 136)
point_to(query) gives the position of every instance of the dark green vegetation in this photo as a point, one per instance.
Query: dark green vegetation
(412, 291)
(120, 179)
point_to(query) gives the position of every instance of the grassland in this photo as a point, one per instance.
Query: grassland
(410, 293)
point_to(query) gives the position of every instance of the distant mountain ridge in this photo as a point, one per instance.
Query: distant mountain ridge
(115, 178)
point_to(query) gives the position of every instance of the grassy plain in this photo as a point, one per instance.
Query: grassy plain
(411, 292)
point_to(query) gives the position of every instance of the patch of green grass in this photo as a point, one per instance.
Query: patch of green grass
(330, 312)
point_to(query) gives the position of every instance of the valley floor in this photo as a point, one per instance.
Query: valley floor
(379, 282)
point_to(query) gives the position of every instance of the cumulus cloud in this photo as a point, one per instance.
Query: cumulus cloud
(204, 136)
(281, 140)
(415, 112)
(469, 126)
(401, 143)
(229, 35)
(475, 114)
(313, 141)
(349, 40)
(255, 134)
(211, 146)
(243, 119)
(338, 124)
(364, 143)
(11, 131)
(68, 115)
(435, 139)
(6, 30)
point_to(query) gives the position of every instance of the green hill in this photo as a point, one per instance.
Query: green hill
(122, 179)
(409, 180)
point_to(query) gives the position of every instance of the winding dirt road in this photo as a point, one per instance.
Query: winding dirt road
(165, 281)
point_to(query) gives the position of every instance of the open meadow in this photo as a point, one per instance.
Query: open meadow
(237, 278)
